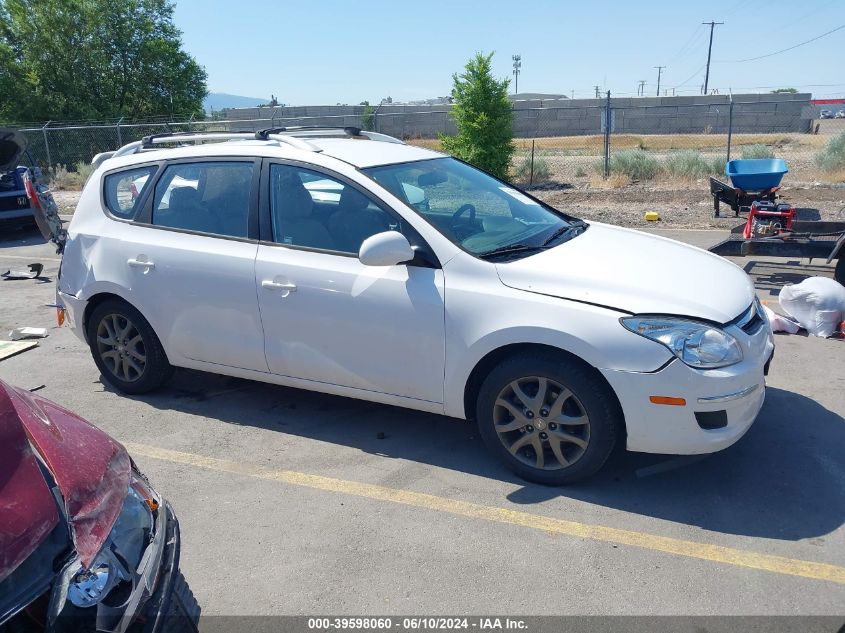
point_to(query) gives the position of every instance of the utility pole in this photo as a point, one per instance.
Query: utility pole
(641, 88)
(659, 70)
(517, 66)
(709, 50)
(598, 96)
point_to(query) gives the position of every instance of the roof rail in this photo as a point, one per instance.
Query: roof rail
(174, 137)
(313, 131)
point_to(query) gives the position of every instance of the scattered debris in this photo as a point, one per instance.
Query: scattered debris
(34, 272)
(20, 333)
(780, 323)
(652, 216)
(37, 388)
(817, 303)
(10, 348)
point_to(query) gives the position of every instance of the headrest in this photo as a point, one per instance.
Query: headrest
(183, 197)
(352, 200)
(292, 199)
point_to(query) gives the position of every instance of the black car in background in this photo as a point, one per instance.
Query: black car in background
(14, 204)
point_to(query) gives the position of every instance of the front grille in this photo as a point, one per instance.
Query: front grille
(751, 320)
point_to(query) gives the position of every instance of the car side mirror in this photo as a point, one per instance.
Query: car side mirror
(385, 249)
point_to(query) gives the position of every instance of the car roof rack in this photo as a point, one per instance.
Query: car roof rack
(148, 142)
(317, 131)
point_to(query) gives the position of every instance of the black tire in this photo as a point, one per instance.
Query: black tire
(839, 271)
(156, 369)
(183, 612)
(592, 397)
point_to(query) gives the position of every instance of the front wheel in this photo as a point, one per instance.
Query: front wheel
(548, 418)
(126, 349)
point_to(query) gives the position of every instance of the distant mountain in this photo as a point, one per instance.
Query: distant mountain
(220, 100)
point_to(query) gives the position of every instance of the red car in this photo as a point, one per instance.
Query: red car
(85, 542)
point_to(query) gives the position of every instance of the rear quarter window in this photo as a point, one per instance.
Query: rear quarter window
(123, 190)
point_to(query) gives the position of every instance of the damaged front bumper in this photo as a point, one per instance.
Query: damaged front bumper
(137, 604)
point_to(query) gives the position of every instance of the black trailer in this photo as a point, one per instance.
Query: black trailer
(810, 239)
(736, 198)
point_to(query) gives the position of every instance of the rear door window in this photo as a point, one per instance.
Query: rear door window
(212, 197)
(123, 190)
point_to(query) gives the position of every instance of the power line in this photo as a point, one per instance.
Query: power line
(688, 79)
(783, 50)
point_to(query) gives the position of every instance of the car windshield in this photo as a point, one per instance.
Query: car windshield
(479, 213)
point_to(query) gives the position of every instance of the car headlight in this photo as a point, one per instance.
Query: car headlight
(697, 344)
(122, 551)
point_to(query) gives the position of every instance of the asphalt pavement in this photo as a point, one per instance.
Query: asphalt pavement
(293, 502)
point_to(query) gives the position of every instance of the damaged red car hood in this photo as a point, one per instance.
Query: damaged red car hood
(91, 470)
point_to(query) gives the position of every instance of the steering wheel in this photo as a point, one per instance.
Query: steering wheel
(463, 209)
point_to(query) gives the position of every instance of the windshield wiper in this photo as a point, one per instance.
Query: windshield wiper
(509, 249)
(563, 230)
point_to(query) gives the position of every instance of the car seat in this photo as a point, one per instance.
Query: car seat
(353, 222)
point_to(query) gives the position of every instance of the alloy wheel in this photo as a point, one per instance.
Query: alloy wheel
(541, 423)
(121, 347)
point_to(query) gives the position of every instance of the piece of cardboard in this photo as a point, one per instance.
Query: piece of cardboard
(10, 348)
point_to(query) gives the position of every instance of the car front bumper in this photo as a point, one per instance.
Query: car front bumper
(720, 405)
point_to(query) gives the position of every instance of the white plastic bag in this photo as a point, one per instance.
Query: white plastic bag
(817, 303)
(780, 323)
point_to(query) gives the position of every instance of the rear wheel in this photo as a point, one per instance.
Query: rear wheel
(126, 349)
(548, 418)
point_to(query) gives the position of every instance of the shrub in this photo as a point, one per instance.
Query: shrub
(542, 171)
(689, 163)
(62, 178)
(483, 115)
(757, 151)
(686, 163)
(634, 163)
(580, 172)
(832, 157)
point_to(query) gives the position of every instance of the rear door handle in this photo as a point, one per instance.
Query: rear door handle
(137, 263)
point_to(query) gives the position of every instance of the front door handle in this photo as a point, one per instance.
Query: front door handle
(278, 285)
(137, 263)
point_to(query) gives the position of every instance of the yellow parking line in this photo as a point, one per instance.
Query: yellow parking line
(691, 549)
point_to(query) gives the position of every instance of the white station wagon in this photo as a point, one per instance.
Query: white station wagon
(347, 262)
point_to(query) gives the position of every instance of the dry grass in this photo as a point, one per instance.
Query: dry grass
(615, 181)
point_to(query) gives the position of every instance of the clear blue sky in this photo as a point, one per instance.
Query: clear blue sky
(330, 51)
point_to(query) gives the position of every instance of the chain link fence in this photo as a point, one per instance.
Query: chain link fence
(598, 142)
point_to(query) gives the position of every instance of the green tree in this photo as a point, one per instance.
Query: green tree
(77, 59)
(483, 116)
(368, 116)
(788, 91)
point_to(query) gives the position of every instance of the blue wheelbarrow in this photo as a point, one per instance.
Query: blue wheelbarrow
(751, 179)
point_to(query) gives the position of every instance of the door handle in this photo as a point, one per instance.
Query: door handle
(137, 263)
(277, 285)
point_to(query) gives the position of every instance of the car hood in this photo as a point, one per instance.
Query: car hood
(12, 145)
(90, 470)
(634, 272)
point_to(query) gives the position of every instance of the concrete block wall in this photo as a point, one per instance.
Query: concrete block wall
(753, 113)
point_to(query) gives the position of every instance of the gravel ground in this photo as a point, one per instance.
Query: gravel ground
(690, 208)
